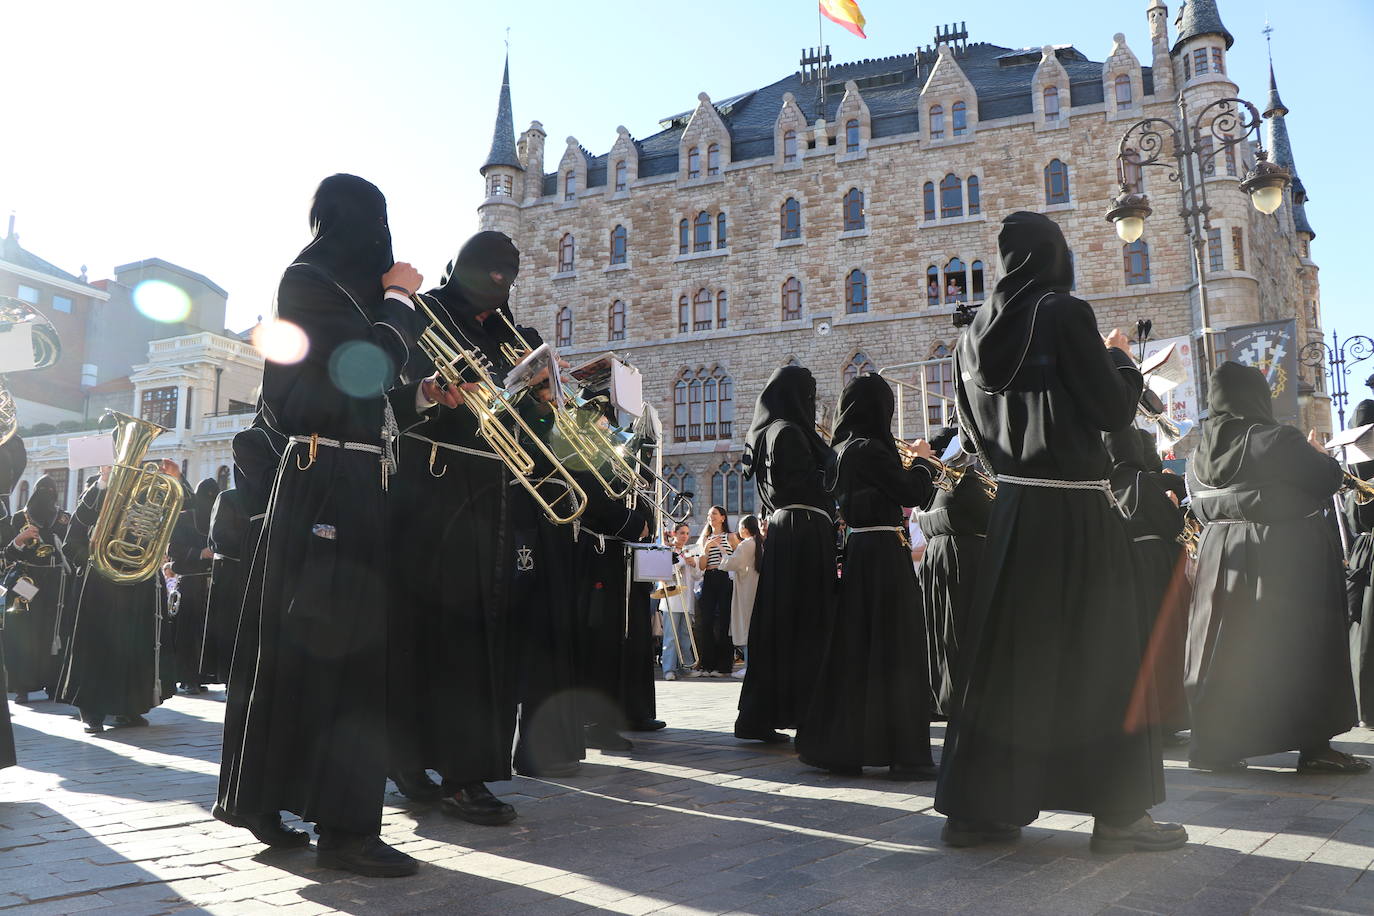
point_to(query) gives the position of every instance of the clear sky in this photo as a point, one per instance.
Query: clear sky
(196, 131)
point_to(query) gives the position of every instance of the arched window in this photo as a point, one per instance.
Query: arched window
(678, 476)
(956, 284)
(1056, 182)
(1123, 90)
(730, 490)
(855, 292)
(1137, 262)
(928, 201)
(851, 135)
(1051, 103)
(853, 210)
(701, 232)
(564, 328)
(701, 310)
(621, 176)
(222, 477)
(940, 404)
(708, 408)
(722, 237)
(937, 122)
(703, 410)
(791, 219)
(615, 329)
(791, 299)
(569, 184)
(859, 364)
(683, 237)
(722, 309)
(618, 245)
(932, 285)
(951, 197)
(977, 281)
(789, 146)
(567, 250)
(959, 115)
(713, 159)
(975, 196)
(694, 163)
(684, 315)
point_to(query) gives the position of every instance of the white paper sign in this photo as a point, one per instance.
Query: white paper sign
(23, 588)
(627, 388)
(653, 563)
(90, 451)
(1181, 397)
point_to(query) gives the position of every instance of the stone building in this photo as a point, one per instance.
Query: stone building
(841, 215)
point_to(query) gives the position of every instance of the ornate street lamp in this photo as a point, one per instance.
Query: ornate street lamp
(1192, 147)
(1336, 358)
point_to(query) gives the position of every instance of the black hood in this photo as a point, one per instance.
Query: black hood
(1363, 415)
(42, 505)
(14, 458)
(789, 396)
(1034, 260)
(467, 288)
(865, 412)
(1238, 399)
(204, 503)
(352, 241)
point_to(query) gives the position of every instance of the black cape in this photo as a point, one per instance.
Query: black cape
(1267, 668)
(794, 601)
(1055, 639)
(872, 705)
(1359, 582)
(228, 528)
(311, 738)
(32, 640)
(191, 536)
(13, 458)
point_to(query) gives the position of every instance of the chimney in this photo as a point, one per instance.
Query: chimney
(10, 233)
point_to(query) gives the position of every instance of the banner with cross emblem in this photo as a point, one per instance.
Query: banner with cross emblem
(1272, 348)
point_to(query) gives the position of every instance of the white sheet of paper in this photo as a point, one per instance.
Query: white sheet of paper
(652, 563)
(90, 451)
(627, 388)
(25, 590)
(16, 348)
(1358, 443)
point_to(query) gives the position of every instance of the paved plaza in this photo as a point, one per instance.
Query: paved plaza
(690, 821)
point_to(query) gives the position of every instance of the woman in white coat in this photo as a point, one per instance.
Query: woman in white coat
(743, 567)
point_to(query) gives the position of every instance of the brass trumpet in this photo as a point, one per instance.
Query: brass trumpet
(947, 477)
(1190, 535)
(1362, 489)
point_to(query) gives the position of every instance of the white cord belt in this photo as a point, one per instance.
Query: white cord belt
(432, 443)
(387, 462)
(895, 529)
(1050, 483)
(805, 508)
(221, 556)
(335, 443)
(1146, 537)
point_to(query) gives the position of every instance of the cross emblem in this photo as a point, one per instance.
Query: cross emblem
(524, 559)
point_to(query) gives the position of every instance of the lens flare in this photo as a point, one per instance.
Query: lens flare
(280, 341)
(162, 301)
(360, 369)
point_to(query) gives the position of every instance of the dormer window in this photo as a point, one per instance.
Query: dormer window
(1123, 90)
(851, 135)
(621, 175)
(937, 122)
(713, 159)
(1051, 103)
(569, 185)
(694, 163)
(789, 146)
(960, 116)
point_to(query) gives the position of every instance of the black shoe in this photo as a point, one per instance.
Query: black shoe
(922, 773)
(835, 770)
(551, 770)
(475, 804)
(1142, 835)
(767, 737)
(94, 725)
(363, 855)
(648, 725)
(961, 833)
(417, 786)
(267, 828)
(130, 722)
(606, 739)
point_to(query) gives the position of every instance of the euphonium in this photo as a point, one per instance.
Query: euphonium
(130, 537)
(947, 477)
(47, 347)
(1363, 489)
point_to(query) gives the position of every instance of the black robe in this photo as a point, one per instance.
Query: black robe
(872, 704)
(1359, 577)
(954, 527)
(794, 602)
(1056, 635)
(228, 528)
(1267, 665)
(32, 640)
(13, 458)
(120, 660)
(311, 736)
(7, 754)
(193, 581)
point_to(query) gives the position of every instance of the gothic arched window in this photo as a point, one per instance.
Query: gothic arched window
(722, 309)
(977, 282)
(703, 405)
(791, 299)
(730, 490)
(937, 122)
(959, 115)
(956, 284)
(851, 135)
(618, 244)
(853, 210)
(1056, 182)
(859, 364)
(713, 159)
(621, 176)
(975, 196)
(569, 184)
(701, 310)
(932, 285)
(856, 292)
(1122, 84)
(563, 327)
(567, 251)
(615, 329)
(701, 232)
(684, 315)
(694, 163)
(791, 219)
(789, 146)
(722, 237)
(683, 236)
(928, 201)
(951, 197)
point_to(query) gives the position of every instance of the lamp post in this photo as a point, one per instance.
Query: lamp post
(1336, 358)
(1193, 145)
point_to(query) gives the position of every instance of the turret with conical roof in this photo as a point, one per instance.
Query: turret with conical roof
(1200, 17)
(1281, 153)
(502, 170)
(503, 138)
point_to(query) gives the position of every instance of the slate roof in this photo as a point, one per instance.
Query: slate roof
(891, 88)
(1200, 17)
(503, 138)
(11, 252)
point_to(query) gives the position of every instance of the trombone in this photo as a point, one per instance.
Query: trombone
(454, 363)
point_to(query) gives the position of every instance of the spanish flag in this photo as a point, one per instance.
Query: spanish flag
(845, 13)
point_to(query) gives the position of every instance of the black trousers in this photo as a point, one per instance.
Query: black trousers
(713, 622)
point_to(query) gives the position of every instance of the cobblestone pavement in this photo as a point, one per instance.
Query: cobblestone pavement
(690, 821)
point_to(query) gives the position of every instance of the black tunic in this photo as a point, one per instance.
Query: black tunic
(1267, 668)
(193, 581)
(872, 703)
(228, 528)
(13, 459)
(311, 738)
(1359, 581)
(32, 641)
(954, 528)
(1055, 639)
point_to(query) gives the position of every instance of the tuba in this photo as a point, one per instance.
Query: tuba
(131, 533)
(20, 319)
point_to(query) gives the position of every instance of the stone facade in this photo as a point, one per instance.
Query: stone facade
(1264, 272)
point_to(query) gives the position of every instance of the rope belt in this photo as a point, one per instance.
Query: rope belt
(1146, 537)
(895, 529)
(805, 508)
(314, 440)
(1049, 483)
(435, 445)
(221, 556)
(1211, 492)
(260, 516)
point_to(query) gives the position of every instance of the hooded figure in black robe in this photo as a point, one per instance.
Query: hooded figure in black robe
(954, 527)
(1267, 666)
(795, 600)
(120, 659)
(1154, 523)
(13, 459)
(228, 527)
(312, 736)
(1359, 576)
(452, 703)
(872, 705)
(32, 642)
(1057, 635)
(190, 553)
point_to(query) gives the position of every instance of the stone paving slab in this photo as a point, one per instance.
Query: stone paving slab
(690, 822)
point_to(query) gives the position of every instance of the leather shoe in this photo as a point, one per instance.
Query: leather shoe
(607, 739)
(363, 855)
(648, 725)
(1141, 835)
(833, 770)
(417, 786)
(130, 722)
(960, 832)
(267, 828)
(475, 804)
(767, 737)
